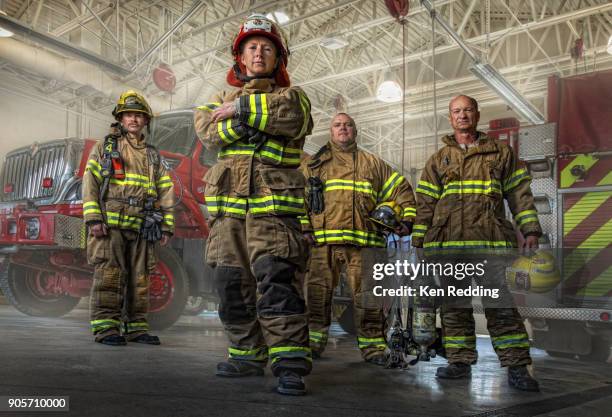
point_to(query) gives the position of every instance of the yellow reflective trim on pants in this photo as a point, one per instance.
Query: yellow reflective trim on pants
(354, 236)
(257, 354)
(289, 352)
(519, 340)
(419, 230)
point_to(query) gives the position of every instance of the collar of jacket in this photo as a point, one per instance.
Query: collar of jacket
(484, 144)
(266, 85)
(352, 148)
(138, 143)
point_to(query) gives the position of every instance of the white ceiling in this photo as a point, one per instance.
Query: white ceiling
(526, 40)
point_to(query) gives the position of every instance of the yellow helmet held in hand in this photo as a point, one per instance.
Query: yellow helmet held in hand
(387, 215)
(537, 273)
(132, 101)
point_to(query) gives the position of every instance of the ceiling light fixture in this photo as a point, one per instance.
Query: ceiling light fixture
(496, 82)
(279, 17)
(389, 92)
(333, 43)
(4, 33)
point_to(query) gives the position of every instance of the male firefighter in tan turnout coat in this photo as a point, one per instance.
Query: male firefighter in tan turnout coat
(123, 175)
(461, 207)
(254, 194)
(346, 185)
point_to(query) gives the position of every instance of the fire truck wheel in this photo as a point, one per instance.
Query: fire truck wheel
(28, 290)
(195, 305)
(168, 289)
(601, 350)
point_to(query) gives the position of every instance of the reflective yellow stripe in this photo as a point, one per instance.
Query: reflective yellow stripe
(264, 111)
(91, 204)
(419, 230)
(389, 186)
(469, 244)
(515, 179)
(305, 105)
(427, 188)
(276, 203)
(220, 204)
(359, 186)
(221, 132)
(409, 212)
(92, 211)
(347, 235)
(526, 216)
(121, 221)
(208, 106)
(289, 352)
(471, 187)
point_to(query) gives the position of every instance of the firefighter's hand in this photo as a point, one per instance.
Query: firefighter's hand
(531, 243)
(98, 230)
(226, 111)
(404, 229)
(165, 239)
(309, 237)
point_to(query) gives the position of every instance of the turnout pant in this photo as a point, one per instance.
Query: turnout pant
(256, 264)
(505, 325)
(120, 291)
(326, 263)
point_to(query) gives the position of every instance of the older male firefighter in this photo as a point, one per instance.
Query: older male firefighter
(254, 194)
(461, 207)
(127, 205)
(345, 185)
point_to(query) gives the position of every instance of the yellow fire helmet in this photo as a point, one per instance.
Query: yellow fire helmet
(537, 273)
(387, 215)
(132, 101)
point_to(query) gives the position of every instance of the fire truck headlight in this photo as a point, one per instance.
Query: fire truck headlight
(32, 230)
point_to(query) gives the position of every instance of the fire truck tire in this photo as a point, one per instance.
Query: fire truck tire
(195, 305)
(170, 262)
(19, 288)
(601, 349)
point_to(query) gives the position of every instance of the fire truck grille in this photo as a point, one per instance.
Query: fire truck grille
(24, 172)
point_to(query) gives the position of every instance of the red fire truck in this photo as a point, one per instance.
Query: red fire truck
(42, 237)
(570, 161)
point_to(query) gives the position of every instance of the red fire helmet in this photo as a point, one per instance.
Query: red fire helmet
(259, 25)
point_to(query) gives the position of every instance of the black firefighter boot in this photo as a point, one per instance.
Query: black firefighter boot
(146, 339)
(235, 369)
(454, 371)
(519, 378)
(290, 383)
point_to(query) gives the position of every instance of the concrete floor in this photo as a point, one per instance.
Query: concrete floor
(42, 356)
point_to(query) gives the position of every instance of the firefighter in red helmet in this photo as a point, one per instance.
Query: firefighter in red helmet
(254, 196)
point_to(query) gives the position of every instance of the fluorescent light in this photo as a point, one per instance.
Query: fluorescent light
(4, 33)
(496, 82)
(279, 17)
(333, 43)
(389, 92)
(610, 45)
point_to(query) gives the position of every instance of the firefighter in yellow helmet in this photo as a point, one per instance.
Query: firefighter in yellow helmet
(125, 186)
(345, 185)
(254, 194)
(461, 196)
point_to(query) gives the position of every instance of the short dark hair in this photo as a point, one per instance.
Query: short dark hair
(472, 100)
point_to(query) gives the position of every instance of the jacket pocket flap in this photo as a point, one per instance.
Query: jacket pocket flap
(282, 179)
(215, 175)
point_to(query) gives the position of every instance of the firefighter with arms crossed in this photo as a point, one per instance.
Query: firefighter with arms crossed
(345, 187)
(461, 207)
(125, 187)
(254, 194)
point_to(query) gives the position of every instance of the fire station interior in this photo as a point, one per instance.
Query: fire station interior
(541, 72)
